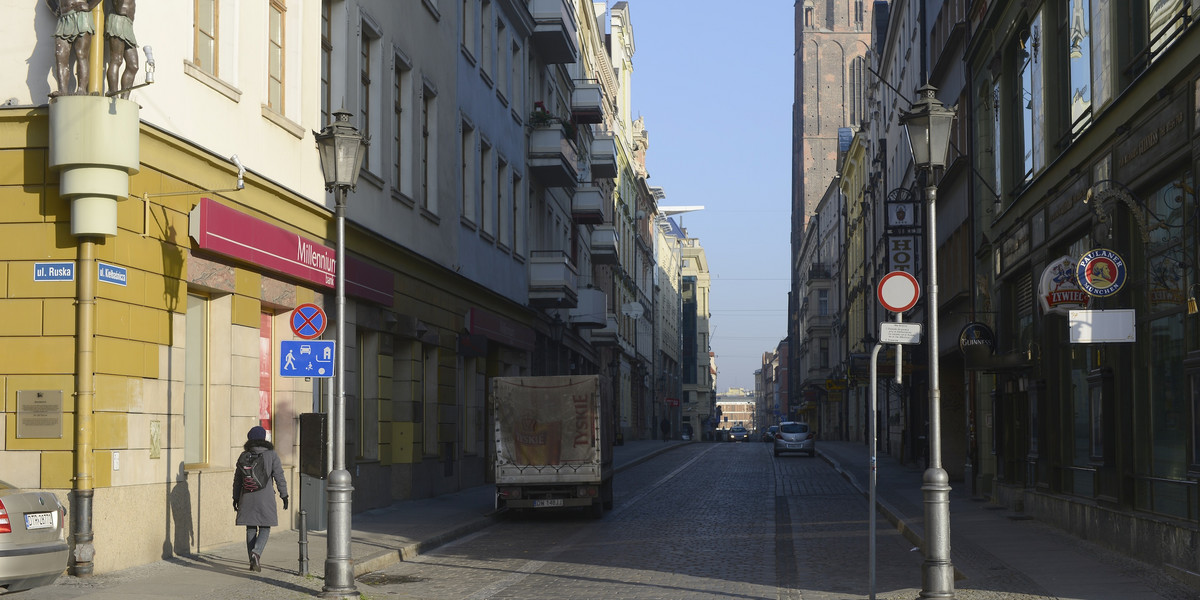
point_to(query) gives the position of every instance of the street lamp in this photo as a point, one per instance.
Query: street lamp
(341, 149)
(928, 126)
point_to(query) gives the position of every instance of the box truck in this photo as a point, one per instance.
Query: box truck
(553, 443)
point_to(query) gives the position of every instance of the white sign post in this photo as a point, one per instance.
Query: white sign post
(898, 291)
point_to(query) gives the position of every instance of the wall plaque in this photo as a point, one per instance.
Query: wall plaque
(39, 414)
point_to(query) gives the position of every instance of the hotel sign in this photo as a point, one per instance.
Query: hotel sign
(223, 230)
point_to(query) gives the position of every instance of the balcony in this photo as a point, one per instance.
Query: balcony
(587, 207)
(604, 245)
(607, 335)
(604, 156)
(587, 102)
(552, 280)
(590, 313)
(554, 31)
(552, 156)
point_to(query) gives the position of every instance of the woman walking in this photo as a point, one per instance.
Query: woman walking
(253, 498)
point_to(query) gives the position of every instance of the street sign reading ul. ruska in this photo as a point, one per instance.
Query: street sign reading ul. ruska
(308, 321)
(898, 291)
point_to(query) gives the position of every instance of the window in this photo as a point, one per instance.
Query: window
(515, 78)
(1102, 52)
(823, 352)
(429, 389)
(470, 386)
(195, 388)
(504, 205)
(467, 176)
(857, 92)
(1079, 53)
(429, 150)
(266, 391)
(205, 38)
(364, 89)
(502, 69)
(468, 27)
(487, 189)
(1167, 20)
(275, 66)
(1031, 105)
(326, 63)
(858, 15)
(518, 203)
(486, 47)
(823, 303)
(810, 19)
(401, 138)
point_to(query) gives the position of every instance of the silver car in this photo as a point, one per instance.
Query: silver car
(794, 437)
(33, 538)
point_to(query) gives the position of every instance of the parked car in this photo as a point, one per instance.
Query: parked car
(795, 437)
(33, 538)
(768, 434)
(737, 433)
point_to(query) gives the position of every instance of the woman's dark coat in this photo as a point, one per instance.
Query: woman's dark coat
(258, 508)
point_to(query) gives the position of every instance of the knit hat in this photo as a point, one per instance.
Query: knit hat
(257, 433)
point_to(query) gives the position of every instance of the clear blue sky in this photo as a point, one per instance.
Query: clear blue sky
(713, 80)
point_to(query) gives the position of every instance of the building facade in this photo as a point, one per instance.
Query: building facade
(151, 298)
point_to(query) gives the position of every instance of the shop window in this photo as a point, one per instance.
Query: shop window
(368, 395)
(196, 383)
(266, 379)
(429, 390)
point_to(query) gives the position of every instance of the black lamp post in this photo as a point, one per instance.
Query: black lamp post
(928, 125)
(341, 149)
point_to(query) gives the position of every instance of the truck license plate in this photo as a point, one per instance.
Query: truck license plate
(547, 503)
(43, 520)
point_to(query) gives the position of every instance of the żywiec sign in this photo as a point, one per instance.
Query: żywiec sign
(223, 230)
(1058, 289)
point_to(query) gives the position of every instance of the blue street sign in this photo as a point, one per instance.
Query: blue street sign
(112, 274)
(54, 271)
(306, 358)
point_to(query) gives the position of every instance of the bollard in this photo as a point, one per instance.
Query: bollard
(303, 543)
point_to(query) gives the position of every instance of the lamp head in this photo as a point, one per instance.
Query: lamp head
(928, 126)
(341, 148)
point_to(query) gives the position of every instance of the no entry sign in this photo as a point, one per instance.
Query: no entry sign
(898, 291)
(308, 321)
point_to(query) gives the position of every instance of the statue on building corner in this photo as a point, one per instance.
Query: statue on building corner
(122, 46)
(72, 36)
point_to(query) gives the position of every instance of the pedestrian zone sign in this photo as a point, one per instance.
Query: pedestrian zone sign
(306, 358)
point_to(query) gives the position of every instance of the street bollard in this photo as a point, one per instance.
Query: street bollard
(303, 543)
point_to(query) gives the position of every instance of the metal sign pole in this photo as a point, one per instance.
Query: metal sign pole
(874, 434)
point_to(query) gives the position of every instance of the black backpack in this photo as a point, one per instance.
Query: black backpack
(252, 469)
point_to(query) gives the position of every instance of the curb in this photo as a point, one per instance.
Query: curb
(387, 558)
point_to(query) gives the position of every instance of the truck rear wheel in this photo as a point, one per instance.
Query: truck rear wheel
(606, 494)
(596, 510)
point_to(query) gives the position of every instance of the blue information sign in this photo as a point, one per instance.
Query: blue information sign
(54, 271)
(112, 274)
(306, 358)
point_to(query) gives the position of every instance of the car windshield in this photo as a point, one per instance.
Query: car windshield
(794, 428)
(738, 430)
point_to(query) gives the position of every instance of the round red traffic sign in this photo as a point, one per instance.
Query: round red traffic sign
(308, 321)
(898, 291)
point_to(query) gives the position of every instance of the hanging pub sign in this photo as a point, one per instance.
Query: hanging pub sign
(976, 337)
(1101, 272)
(1058, 290)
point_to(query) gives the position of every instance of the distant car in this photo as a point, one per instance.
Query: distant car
(33, 538)
(768, 434)
(794, 437)
(737, 433)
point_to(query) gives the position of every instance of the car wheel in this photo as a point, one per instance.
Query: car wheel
(776, 453)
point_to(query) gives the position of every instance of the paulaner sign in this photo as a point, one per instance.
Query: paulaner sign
(218, 228)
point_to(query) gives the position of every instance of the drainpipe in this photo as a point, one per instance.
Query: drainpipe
(94, 145)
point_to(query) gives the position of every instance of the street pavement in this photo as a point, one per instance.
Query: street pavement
(999, 555)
